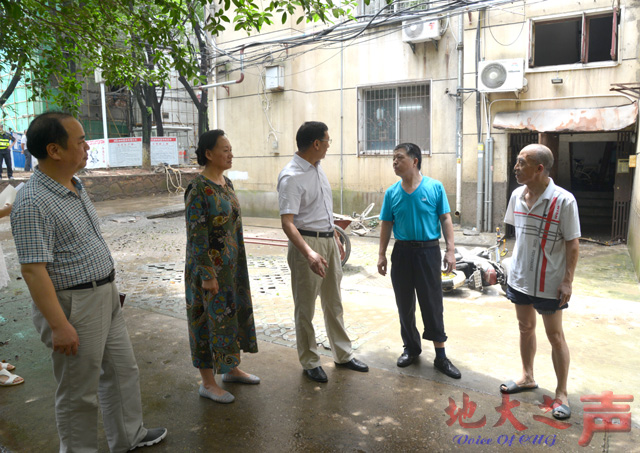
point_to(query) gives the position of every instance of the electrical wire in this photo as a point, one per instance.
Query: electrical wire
(524, 19)
(328, 35)
(266, 105)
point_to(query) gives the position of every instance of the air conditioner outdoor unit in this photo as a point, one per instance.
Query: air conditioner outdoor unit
(501, 75)
(420, 30)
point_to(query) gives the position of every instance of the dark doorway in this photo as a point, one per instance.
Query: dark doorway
(516, 143)
(592, 167)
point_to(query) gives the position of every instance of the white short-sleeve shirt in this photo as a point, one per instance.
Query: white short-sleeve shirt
(539, 256)
(305, 192)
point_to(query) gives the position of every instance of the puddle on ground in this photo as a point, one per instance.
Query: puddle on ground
(606, 272)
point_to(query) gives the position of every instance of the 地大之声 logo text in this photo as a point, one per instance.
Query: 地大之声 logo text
(606, 417)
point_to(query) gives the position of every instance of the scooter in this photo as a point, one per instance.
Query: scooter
(478, 267)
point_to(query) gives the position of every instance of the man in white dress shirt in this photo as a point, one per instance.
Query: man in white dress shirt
(315, 251)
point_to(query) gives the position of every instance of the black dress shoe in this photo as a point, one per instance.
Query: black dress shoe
(445, 366)
(406, 359)
(354, 364)
(316, 374)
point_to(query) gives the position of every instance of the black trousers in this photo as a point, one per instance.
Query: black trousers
(6, 157)
(417, 271)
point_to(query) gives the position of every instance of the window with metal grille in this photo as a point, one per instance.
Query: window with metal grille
(587, 38)
(403, 7)
(393, 115)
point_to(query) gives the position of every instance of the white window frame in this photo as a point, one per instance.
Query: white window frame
(566, 16)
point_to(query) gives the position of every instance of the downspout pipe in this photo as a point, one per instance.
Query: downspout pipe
(341, 128)
(230, 82)
(459, 94)
(480, 167)
(488, 209)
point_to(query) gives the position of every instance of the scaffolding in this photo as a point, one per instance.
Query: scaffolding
(179, 117)
(19, 109)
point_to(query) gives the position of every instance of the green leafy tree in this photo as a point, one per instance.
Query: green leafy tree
(54, 45)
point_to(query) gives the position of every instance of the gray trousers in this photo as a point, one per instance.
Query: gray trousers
(27, 160)
(306, 286)
(104, 368)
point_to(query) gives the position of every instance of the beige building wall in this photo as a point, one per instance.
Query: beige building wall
(506, 35)
(324, 85)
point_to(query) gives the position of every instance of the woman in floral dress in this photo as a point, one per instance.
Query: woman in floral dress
(219, 308)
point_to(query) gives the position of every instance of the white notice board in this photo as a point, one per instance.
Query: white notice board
(164, 150)
(97, 154)
(125, 152)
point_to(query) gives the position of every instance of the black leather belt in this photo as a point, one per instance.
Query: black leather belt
(104, 281)
(316, 234)
(417, 244)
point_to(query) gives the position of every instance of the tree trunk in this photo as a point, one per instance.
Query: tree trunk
(153, 101)
(142, 96)
(201, 104)
(156, 106)
(12, 85)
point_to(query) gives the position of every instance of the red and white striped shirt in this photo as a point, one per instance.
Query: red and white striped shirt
(539, 256)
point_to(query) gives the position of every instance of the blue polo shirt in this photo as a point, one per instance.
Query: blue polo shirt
(415, 216)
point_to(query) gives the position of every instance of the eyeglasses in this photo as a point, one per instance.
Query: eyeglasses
(325, 140)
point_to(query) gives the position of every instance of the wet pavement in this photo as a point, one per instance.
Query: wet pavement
(388, 409)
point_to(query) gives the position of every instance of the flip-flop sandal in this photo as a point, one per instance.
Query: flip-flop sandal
(11, 379)
(511, 387)
(561, 412)
(6, 366)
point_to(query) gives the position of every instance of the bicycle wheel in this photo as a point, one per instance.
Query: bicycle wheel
(346, 243)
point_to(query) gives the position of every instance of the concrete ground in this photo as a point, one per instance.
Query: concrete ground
(387, 409)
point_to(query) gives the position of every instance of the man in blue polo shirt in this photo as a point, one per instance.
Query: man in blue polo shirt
(416, 208)
(68, 268)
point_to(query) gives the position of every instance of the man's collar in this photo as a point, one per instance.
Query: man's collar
(302, 162)
(54, 185)
(548, 192)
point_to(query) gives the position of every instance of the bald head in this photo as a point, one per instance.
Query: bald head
(540, 154)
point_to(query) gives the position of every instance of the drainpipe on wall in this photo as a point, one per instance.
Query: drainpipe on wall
(214, 96)
(341, 127)
(488, 193)
(213, 99)
(480, 174)
(459, 94)
(229, 82)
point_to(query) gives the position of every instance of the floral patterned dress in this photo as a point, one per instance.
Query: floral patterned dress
(220, 325)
